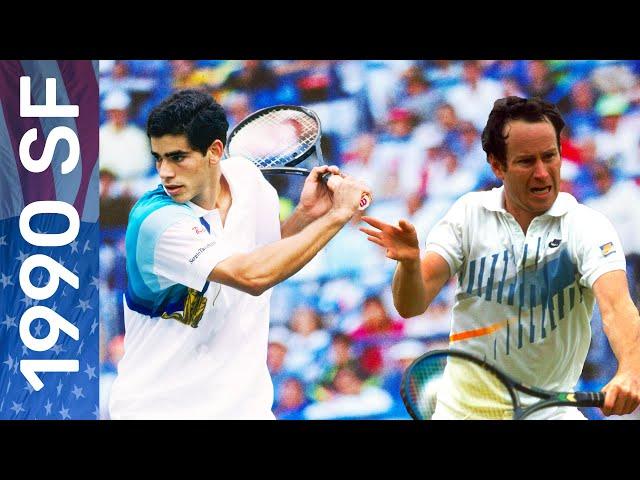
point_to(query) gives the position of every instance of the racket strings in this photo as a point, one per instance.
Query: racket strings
(275, 138)
(448, 387)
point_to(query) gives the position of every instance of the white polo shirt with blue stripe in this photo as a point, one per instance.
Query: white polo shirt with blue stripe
(195, 349)
(524, 302)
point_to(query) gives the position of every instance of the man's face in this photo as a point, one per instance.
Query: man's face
(532, 176)
(185, 172)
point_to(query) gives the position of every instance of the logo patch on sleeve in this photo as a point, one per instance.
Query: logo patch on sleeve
(607, 248)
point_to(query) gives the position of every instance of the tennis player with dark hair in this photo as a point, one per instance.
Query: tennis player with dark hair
(203, 251)
(531, 261)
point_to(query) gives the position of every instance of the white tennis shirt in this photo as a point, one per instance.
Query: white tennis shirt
(196, 364)
(524, 302)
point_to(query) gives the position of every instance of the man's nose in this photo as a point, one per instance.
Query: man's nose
(540, 169)
(165, 170)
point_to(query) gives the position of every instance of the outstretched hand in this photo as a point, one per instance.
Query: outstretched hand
(400, 242)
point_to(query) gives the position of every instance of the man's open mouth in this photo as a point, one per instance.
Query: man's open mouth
(540, 190)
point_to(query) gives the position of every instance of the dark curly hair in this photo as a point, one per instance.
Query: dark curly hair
(192, 113)
(516, 108)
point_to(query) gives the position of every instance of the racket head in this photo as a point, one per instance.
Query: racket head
(455, 384)
(276, 137)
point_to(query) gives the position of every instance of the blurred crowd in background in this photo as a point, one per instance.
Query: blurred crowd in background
(411, 130)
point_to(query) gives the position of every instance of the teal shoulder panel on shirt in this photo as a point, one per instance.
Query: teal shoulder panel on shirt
(152, 214)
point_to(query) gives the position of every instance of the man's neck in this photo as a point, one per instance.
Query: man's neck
(223, 199)
(523, 217)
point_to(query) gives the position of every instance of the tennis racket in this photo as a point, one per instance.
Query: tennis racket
(278, 138)
(472, 388)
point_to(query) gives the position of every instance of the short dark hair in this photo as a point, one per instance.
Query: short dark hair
(515, 108)
(192, 113)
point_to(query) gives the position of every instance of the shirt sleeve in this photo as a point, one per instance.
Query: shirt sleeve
(445, 238)
(597, 247)
(185, 253)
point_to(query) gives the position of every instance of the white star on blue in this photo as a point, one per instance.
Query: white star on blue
(17, 407)
(2, 240)
(59, 387)
(57, 348)
(77, 392)
(22, 257)
(74, 246)
(90, 371)
(96, 412)
(84, 305)
(79, 352)
(27, 301)
(64, 412)
(38, 327)
(9, 322)
(95, 281)
(6, 280)
(48, 406)
(9, 362)
(86, 247)
(93, 326)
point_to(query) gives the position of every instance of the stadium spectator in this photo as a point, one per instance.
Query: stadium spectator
(474, 97)
(124, 148)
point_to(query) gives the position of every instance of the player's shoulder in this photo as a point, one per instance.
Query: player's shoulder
(583, 222)
(479, 201)
(159, 204)
(579, 213)
(478, 198)
(242, 171)
(240, 166)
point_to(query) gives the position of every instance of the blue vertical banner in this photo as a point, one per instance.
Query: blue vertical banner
(49, 240)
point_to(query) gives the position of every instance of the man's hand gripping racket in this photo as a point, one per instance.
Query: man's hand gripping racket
(278, 138)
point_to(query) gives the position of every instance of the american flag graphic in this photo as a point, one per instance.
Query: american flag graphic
(65, 395)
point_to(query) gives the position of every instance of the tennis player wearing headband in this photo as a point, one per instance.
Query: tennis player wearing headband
(203, 251)
(530, 262)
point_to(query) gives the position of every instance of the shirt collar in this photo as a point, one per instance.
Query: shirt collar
(563, 204)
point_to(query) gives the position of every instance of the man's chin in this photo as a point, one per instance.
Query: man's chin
(180, 198)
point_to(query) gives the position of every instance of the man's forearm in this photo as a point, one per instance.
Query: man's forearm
(296, 222)
(622, 328)
(409, 293)
(267, 266)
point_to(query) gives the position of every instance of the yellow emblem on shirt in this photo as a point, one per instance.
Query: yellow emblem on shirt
(607, 248)
(194, 306)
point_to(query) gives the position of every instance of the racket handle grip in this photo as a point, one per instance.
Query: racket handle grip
(365, 200)
(590, 399)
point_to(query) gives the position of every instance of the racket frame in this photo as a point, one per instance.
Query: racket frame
(574, 399)
(299, 156)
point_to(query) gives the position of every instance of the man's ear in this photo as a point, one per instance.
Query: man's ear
(497, 167)
(215, 151)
